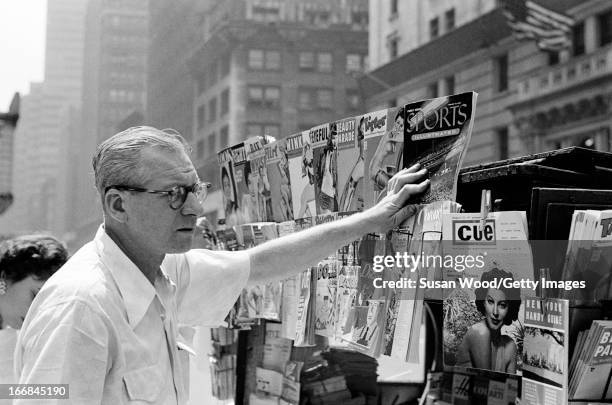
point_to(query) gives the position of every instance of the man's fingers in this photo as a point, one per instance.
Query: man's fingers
(412, 168)
(408, 190)
(401, 179)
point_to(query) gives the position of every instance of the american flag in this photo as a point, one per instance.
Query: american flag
(551, 30)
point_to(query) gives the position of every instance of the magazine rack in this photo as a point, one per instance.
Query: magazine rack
(547, 186)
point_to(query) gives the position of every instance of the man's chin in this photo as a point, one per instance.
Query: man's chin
(182, 244)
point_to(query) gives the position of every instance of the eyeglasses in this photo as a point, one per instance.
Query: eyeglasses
(176, 195)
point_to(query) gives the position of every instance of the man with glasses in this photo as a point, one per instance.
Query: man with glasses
(108, 322)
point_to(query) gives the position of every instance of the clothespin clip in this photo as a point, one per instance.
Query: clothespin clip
(485, 208)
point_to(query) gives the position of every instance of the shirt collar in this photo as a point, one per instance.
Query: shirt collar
(135, 289)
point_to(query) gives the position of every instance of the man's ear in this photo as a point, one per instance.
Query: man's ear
(114, 203)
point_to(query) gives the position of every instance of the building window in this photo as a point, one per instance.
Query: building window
(605, 28)
(272, 97)
(553, 58)
(434, 28)
(212, 143)
(501, 73)
(449, 83)
(393, 48)
(324, 62)
(306, 61)
(393, 7)
(432, 90)
(201, 116)
(264, 96)
(264, 60)
(212, 110)
(502, 143)
(578, 39)
(325, 99)
(353, 63)
(224, 102)
(200, 149)
(255, 95)
(224, 134)
(256, 59)
(266, 13)
(449, 18)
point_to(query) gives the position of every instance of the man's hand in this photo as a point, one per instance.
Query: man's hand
(393, 209)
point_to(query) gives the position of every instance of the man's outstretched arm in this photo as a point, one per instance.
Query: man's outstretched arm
(281, 258)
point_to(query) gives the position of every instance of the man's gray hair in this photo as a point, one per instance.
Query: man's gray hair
(117, 159)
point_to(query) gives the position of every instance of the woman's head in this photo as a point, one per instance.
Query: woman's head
(499, 306)
(26, 262)
(398, 124)
(226, 184)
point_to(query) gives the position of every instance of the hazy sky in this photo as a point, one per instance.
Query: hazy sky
(22, 46)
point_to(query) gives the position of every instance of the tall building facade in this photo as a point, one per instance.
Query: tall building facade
(529, 100)
(43, 203)
(114, 88)
(176, 28)
(273, 68)
(397, 27)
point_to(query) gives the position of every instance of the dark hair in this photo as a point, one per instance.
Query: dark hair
(513, 295)
(38, 256)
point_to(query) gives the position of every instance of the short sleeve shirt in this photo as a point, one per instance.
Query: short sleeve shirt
(99, 325)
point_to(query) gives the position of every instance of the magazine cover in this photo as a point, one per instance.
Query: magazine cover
(545, 351)
(228, 185)
(301, 175)
(278, 176)
(387, 157)
(245, 198)
(325, 167)
(290, 293)
(256, 156)
(589, 255)
(349, 149)
(482, 301)
(368, 314)
(325, 303)
(304, 332)
(592, 372)
(371, 128)
(436, 135)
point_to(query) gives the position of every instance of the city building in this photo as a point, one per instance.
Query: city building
(397, 27)
(40, 144)
(8, 121)
(114, 88)
(273, 68)
(175, 29)
(529, 100)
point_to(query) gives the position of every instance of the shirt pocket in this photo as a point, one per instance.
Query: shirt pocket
(143, 384)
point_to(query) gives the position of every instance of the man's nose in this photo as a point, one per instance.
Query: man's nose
(192, 206)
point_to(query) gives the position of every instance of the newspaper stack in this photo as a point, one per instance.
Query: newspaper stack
(589, 255)
(591, 364)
